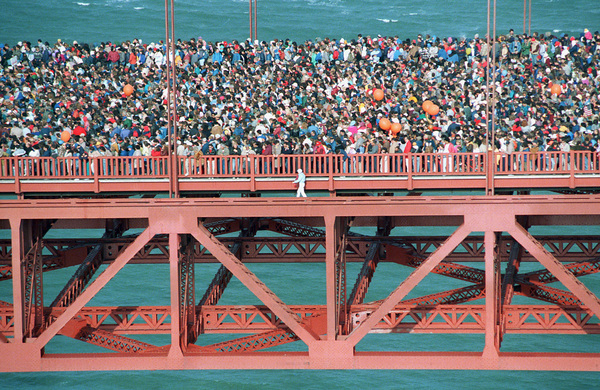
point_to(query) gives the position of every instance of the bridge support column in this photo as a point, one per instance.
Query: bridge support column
(492, 263)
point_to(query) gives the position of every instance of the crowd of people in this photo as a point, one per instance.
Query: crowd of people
(282, 97)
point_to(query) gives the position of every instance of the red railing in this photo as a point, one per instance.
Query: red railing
(412, 168)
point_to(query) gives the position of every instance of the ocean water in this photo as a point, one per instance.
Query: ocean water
(96, 21)
(118, 20)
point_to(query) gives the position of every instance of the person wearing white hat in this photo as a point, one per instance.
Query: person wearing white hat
(301, 181)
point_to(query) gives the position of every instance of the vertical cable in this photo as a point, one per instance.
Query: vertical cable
(493, 108)
(255, 19)
(487, 105)
(174, 104)
(169, 119)
(524, 15)
(529, 18)
(251, 20)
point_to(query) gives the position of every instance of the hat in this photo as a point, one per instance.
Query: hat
(299, 170)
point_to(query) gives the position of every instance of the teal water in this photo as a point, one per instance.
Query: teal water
(118, 20)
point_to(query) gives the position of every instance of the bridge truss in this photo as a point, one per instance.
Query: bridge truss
(355, 270)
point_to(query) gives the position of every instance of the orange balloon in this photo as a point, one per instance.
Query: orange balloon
(433, 110)
(426, 105)
(65, 136)
(556, 89)
(378, 94)
(128, 90)
(385, 124)
(396, 127)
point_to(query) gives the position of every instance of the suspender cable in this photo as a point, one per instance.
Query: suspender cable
(169, 119)
(174, 105)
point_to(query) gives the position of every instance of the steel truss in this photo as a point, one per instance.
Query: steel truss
(185, 232)
(584, 250)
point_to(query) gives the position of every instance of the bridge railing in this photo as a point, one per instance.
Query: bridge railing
(333, 164)
(405, 165)
(547, 162)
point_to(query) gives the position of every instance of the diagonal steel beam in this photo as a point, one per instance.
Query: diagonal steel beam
(294, 229)
(550, 294)
(359, 291)
(95, 287)
(217, 287)
(569, 280)
(254, 284)
(450, 297)
(85, 272)
(253, 342)
(515, 256)
(79, 330)
(453, 270)
(365, 276)
(409, 283)
(579, 268)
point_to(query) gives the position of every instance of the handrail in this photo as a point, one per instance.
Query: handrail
(318, 165)
(330, 167)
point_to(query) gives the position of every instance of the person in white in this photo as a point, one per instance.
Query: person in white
(301, 181)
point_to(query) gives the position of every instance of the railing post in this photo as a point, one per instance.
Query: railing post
(96, 167)
(410, 184)
(489, 177)
(330, 165)
(571, 161)
(17, 175)
(252, 172)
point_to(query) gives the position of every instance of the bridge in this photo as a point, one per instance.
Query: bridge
(521, 261)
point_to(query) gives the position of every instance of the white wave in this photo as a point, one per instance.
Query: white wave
(413, 13)
(138, 8)
(556, 30)
(83, 4)
(388, 20)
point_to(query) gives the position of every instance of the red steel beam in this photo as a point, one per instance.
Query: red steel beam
(84, 273)
(455, 296)
(252, 282)
(450, 318)
(556, 268)
(513, 361)
(92, 289)
(79, 330)
(187, 288)
(578, 269)
(408, 284)
(254, 342)
(280, 249)
(550, 294)
(457, 271)
(359, 291)
(268, 339)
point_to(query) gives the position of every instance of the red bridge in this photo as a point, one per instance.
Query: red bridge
(523, 264)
